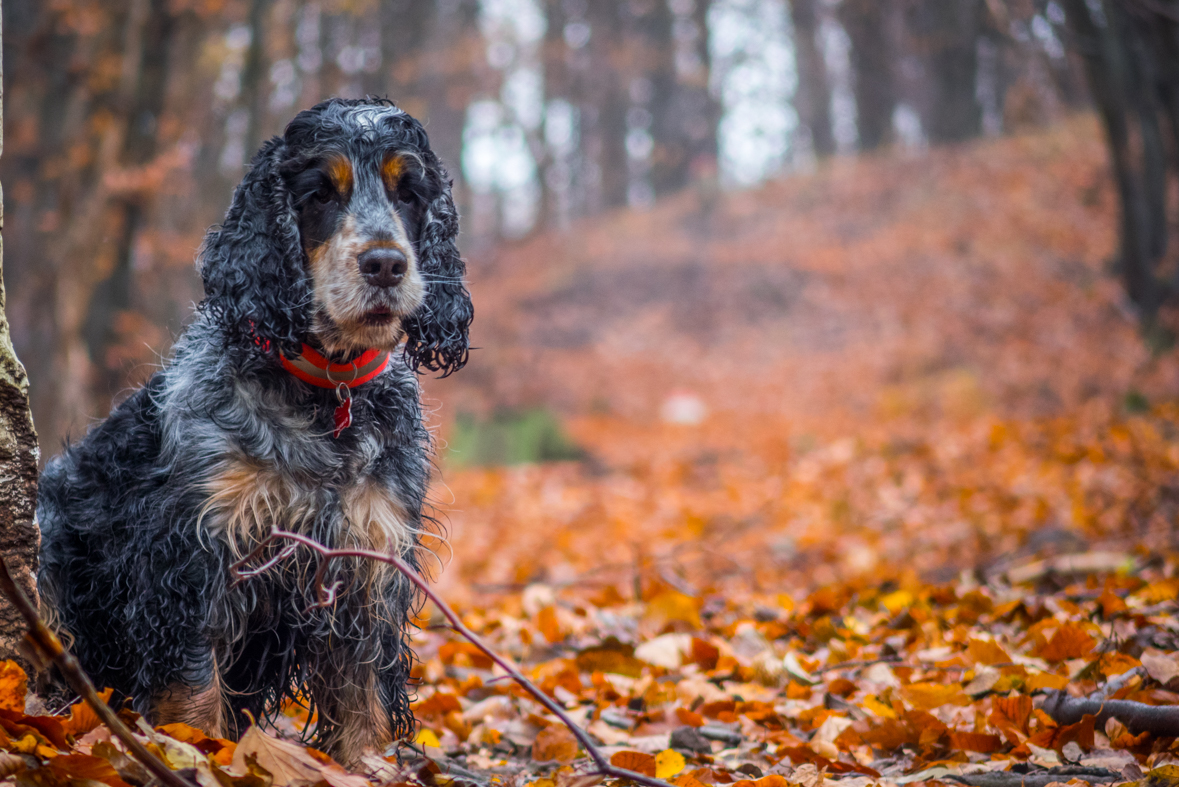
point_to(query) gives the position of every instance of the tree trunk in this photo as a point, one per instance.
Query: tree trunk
(20, 539)
(872, 54)
(114, 295)
(1128, 71)
(946, 34)
(814, 91)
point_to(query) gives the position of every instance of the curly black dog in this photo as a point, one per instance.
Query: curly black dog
(285, 404)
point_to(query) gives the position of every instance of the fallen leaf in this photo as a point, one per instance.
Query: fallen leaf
(72, 768)
(928, 696)
(665, 651)
(668, 763)
(426, 737)
(14, 685)
(550, 628)
(1070, 641)
(82, 718)
(555, 742)
(671, 606)
(1163, 667)
(636, 761)
(289, 763)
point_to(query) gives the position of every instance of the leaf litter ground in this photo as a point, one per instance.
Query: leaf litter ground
(880, 486)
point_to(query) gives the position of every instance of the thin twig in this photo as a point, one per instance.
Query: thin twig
(604, 768)
(49, 645)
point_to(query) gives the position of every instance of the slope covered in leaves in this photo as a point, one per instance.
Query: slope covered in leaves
(891, 418)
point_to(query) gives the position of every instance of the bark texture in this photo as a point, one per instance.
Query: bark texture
(19, 537)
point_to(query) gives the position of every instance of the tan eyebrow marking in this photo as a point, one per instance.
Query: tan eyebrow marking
(391, 171)
(339, 170)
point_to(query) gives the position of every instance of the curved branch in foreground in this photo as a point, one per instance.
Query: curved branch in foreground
(49, 645)
(603, 766)
(1138, 717)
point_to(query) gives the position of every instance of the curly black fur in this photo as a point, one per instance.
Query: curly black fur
(135, 566)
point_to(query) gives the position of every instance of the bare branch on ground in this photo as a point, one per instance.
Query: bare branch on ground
(1137, 716)
(47, 643)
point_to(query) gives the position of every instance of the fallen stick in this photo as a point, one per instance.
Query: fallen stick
(1138, 717)
(50, 646)
(327, 595)
(1037, 778)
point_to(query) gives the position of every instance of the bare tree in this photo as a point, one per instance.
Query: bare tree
(1131, 55)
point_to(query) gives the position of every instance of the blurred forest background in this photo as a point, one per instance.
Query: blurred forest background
(711, 241)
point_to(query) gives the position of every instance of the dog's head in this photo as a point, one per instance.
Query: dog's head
(343, 235)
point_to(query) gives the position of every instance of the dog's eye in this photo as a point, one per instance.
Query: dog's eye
(324, 194)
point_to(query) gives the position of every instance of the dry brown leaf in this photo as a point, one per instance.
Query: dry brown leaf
(289, 763)
(72, 768)
(1070, 641)
(82, 718)
(555, 742)
(636, 761)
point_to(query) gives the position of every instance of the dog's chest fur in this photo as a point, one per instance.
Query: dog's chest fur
(264, 461)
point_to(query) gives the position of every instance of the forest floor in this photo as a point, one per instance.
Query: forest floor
(877, 484)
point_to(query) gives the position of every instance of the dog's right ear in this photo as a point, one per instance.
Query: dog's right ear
(252, 263)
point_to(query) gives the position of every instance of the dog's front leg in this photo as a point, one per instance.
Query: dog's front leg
(359, 718)
(202, 706)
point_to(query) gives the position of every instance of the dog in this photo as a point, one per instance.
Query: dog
(289, 402)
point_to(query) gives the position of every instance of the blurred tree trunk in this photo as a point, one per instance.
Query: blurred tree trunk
(447, 81)
(945, 33)
(653, 97)
(603, 105)
(1131, 55)
(404, 27)
(813, 98)
(254, 74)
(685, 114)
(872, 53)
(146, 83)
(20, 539)
(68, 222)
(557, 203)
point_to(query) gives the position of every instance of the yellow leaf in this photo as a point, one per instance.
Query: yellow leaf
(668, 763)
(877, 707)
(1163, 776)
(1045, 680)
(13, 686)
(927, 696)
(896, 601)
(671, 606)
(426, 737)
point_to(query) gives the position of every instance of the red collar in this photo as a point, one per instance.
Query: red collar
(314, 369)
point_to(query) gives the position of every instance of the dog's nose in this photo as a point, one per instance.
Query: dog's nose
(382, 267)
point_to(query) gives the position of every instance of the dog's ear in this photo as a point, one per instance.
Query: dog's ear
(436, 334)
(252, 264)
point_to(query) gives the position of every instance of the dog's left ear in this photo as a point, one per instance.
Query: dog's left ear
(252, 264)
(436, 334)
